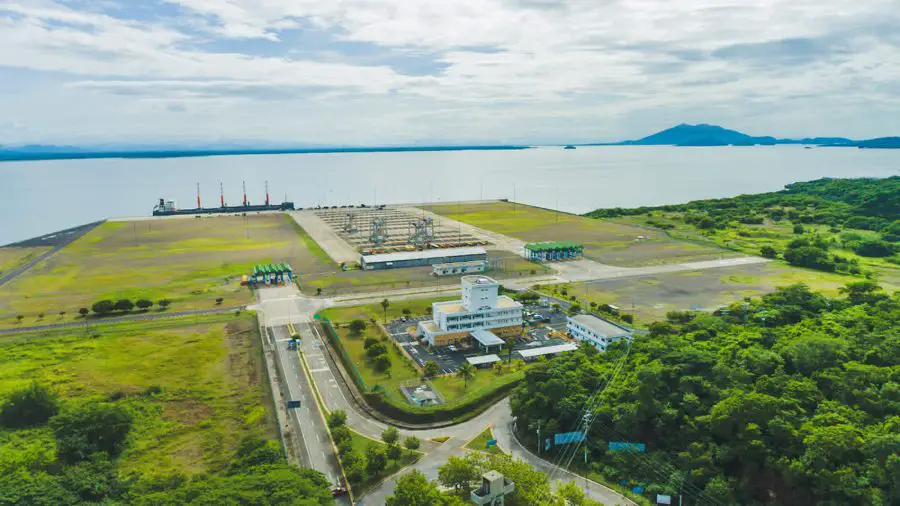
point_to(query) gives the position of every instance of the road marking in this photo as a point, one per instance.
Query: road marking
(319, 370)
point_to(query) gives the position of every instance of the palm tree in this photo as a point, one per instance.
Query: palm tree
(385, 304)
(466, 371)
(508, 346)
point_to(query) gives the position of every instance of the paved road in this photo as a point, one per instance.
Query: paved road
(57, 240)
(279, 306)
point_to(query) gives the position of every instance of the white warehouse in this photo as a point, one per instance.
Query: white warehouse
(596, 331)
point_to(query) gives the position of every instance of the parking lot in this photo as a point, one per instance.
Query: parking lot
(448, 360)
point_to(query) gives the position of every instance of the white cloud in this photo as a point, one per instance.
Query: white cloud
(504, 69)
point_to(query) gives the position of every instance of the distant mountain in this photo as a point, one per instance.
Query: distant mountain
(714, 135)
(880, 143)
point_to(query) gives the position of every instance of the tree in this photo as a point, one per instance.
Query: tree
(90, 428)
(41, 315)
(341, 434)
(376, 350)
(406, 311)
(369, 342)
(394, 452)
(144, 304)
(219, 300)
(28, 407)
(62, 314)
(874, 248)
(556, 308)
(337, 418)
(318, 291)
(124, 305)
(376, 460)
(509, 345)
(628, 318)
(431, 369)
(385, 304)
(84, 312)
(357, 327)
(414, 489)
(103, 307)
(164, 303)
(457, 473)
(255, 451)
(411, 443)
(498, 368)
(466, 371)
(382, 363)
(768, 251)
(575, 308)
(354, 465)
(862, 292)
(798, 229)
(19, 318)
(390, 435)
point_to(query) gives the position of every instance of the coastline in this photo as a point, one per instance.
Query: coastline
(26, 156)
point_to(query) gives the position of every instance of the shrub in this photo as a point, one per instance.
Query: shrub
(88, 429)
(768, 252)
(30, 406)
(376, 350)
(124, 305)
(357, 327)
(798, 229)
(390, 435)
(337, 418)
(628, 318)
(411, 443)
(370, 341)
(874, 248)
(144, 304)
(382, 363)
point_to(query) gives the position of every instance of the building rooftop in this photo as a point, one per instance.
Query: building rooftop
(430, 326)
(554, 245)
(483, 359)
(477, 279)
(504, 301)
(471, 263)
(456, 306)
(547, 350)
(486, 337)
(416, 255)
(600, 326)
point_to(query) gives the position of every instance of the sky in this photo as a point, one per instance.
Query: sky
(389, 72)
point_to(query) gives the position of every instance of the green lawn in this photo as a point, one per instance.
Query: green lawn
(605, 241)
(193, 386)
(360, 443)
(480, 442)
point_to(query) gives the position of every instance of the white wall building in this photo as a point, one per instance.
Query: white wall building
(481, 308)
(596, 331)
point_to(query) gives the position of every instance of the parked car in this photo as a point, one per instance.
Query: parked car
(339, 491)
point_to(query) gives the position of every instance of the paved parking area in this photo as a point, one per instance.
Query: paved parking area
(449, 361)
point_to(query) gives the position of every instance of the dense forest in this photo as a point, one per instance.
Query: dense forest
(793, 398)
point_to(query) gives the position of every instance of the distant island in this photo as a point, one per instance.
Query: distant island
(42, 152)
(714, 135)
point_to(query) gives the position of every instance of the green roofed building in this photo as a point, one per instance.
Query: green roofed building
(271, 274)
(553, 251)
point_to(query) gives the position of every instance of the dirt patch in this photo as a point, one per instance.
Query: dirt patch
(188, 412)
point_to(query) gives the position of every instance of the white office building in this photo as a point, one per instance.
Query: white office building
(596, 331)
(482, 315)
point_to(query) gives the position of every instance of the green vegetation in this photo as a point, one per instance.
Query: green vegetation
(165, 412)
(480, 442)
(190, 262)
(367, 462)
(789, 399)
(12, 258)
(604, 241)
(834, 225)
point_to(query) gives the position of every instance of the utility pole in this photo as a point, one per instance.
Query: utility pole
(539, 437)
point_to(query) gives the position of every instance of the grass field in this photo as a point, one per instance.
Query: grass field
(13, 258)
(605, 241)
(653, 296)
(189, 261)
(479, 443)
(194, 386)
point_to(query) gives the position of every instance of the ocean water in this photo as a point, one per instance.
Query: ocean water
(45, 196)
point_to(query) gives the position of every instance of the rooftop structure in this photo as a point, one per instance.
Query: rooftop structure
(553, 251)
(459, 268)
(420, 258)
(595, 330)
(480, 309)
(483, 360)
(494, 486)
(546, 350)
